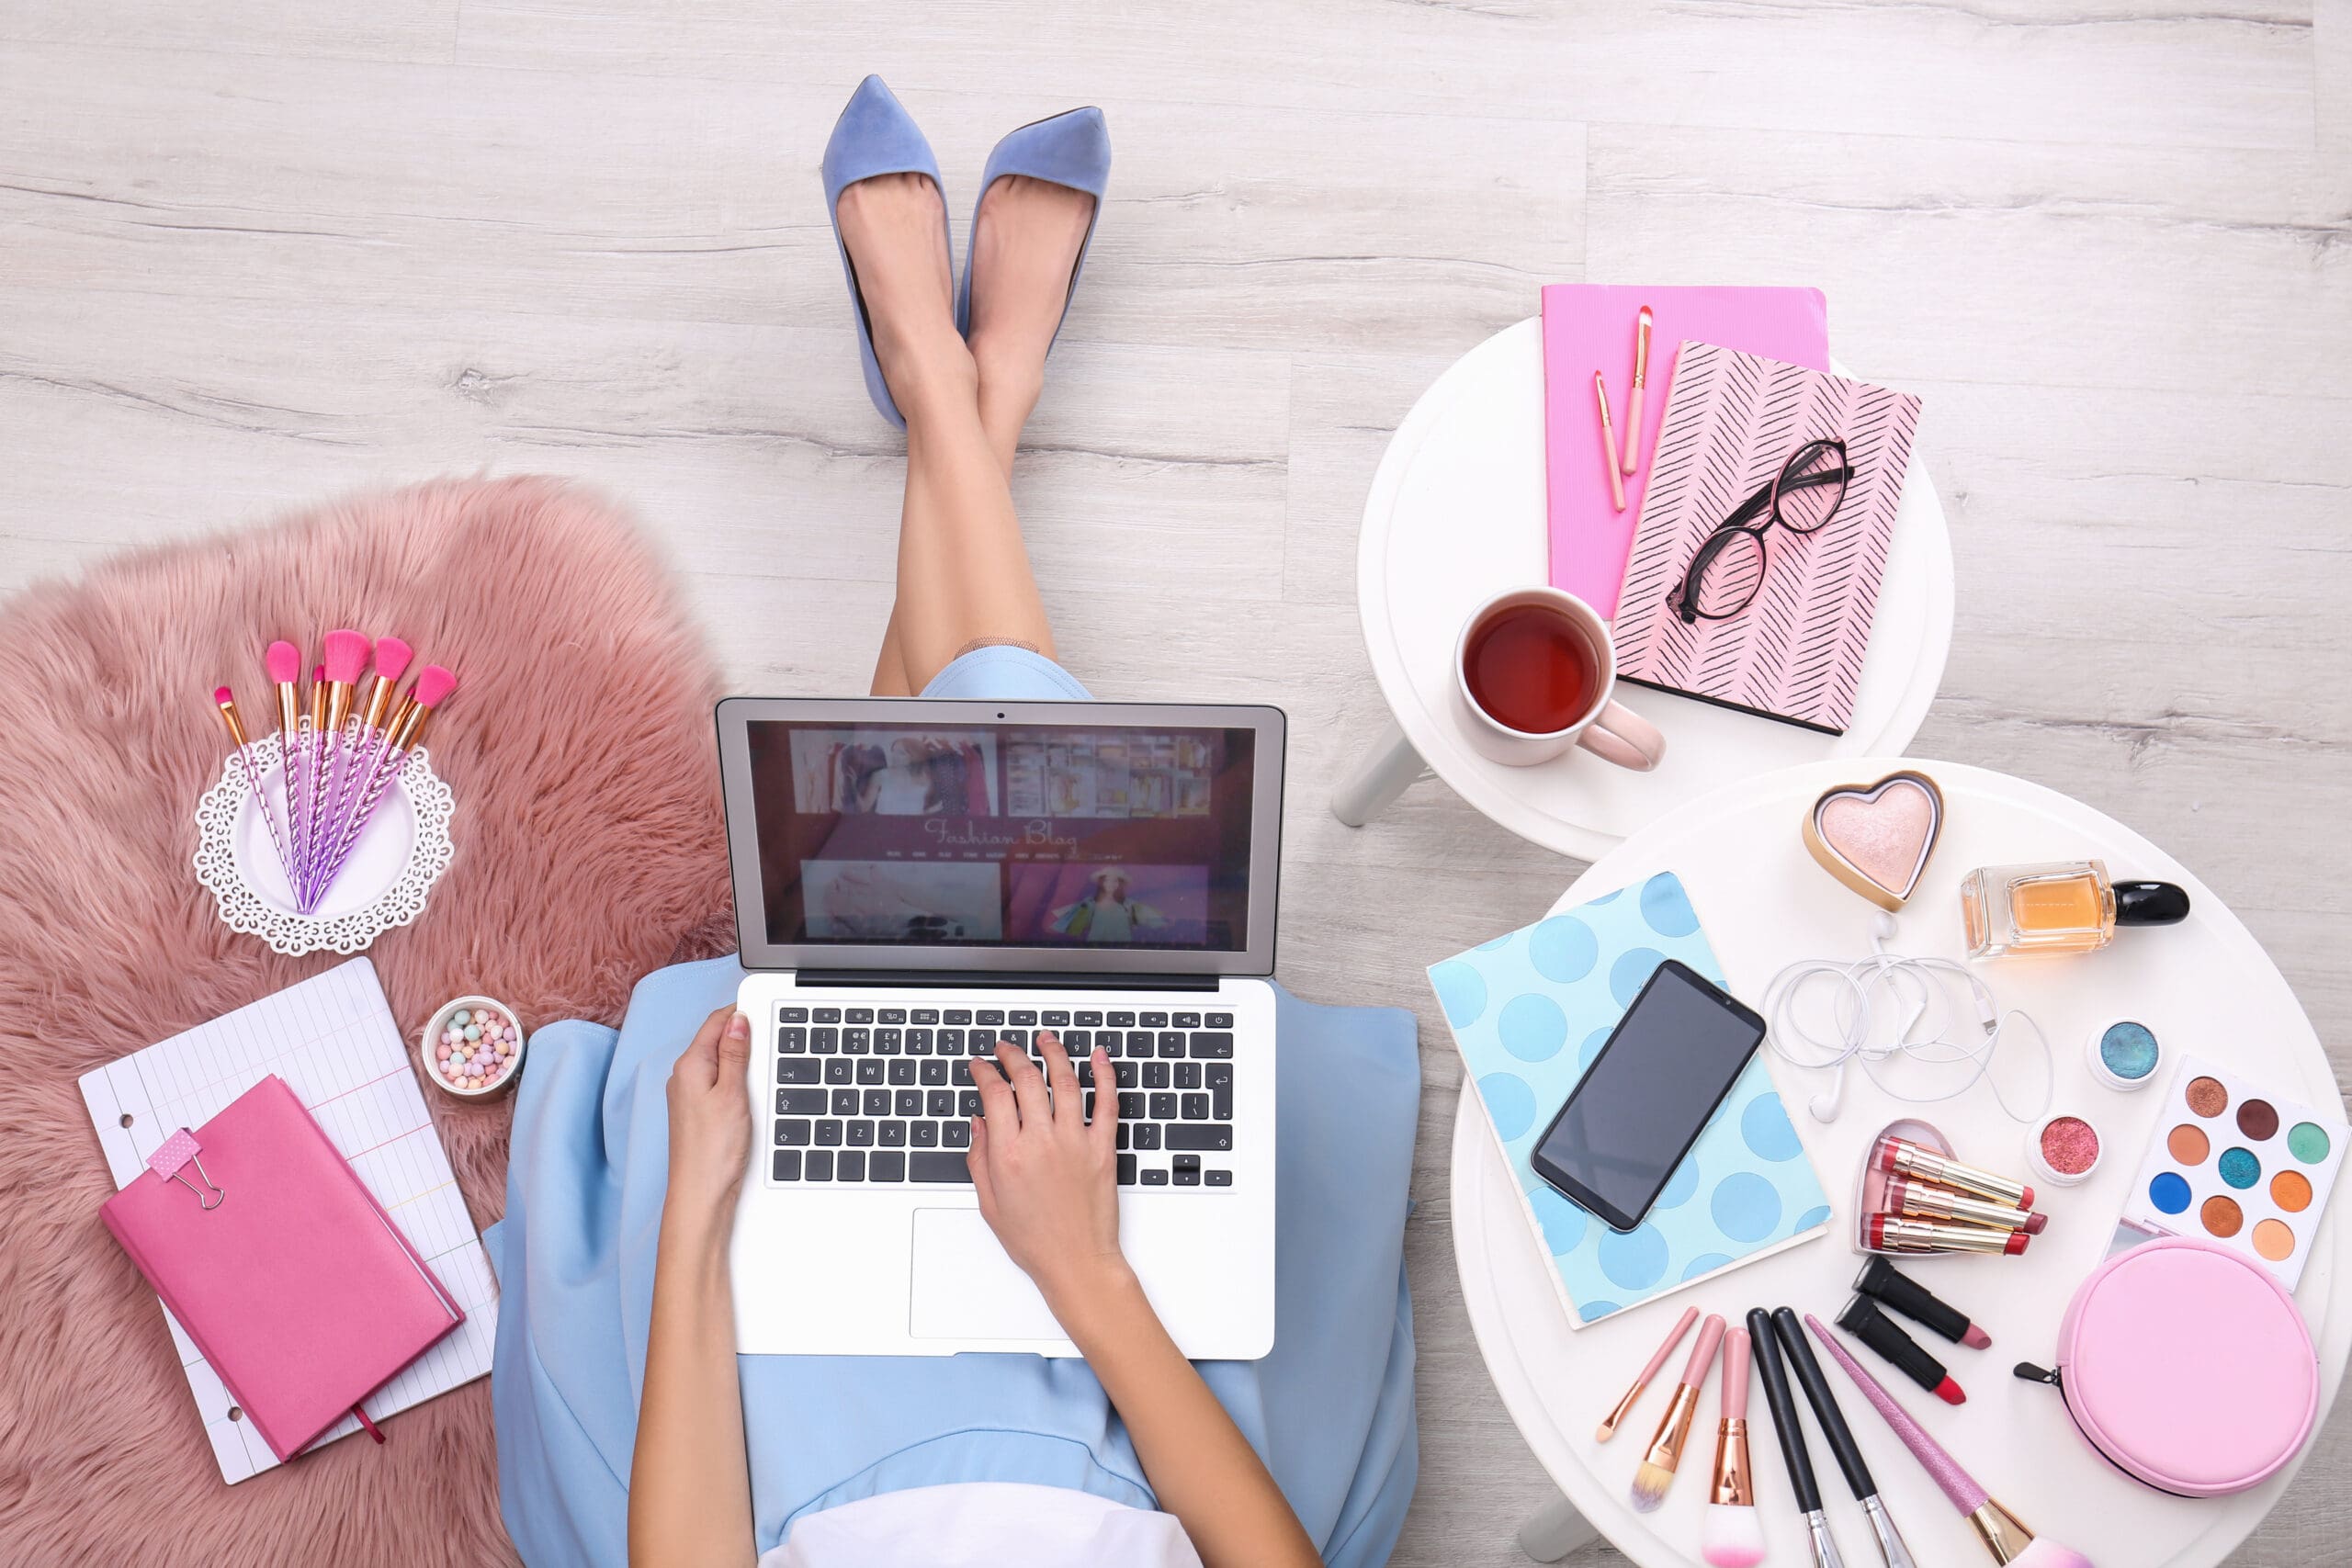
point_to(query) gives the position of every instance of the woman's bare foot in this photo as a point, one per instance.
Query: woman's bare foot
(1025, 241)
(896, 231)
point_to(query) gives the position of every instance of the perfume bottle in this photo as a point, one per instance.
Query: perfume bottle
(2059, 906)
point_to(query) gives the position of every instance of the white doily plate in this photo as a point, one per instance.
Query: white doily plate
(403, 852)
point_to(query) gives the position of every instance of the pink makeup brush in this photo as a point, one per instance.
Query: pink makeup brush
(1734, 1536)
(284, 662)
(1665, 1453)
(1624, 1407)
(346, 655)
(373, 745)
(401, 736)
(2004, 1536)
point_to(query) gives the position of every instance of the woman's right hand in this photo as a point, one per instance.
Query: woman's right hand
(710, 1117)
(1048, 1180)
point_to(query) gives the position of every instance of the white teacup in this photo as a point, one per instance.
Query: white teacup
(1561, 644)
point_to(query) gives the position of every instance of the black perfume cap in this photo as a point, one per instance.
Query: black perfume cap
(2150, 904)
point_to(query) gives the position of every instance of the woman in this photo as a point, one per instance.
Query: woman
(1134, 1459)
(1106, 914)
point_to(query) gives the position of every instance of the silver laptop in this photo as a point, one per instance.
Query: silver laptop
(918, 881)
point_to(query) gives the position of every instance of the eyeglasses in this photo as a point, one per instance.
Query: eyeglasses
(1724, 576)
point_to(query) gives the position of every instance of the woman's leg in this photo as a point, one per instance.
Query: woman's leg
(963, 577)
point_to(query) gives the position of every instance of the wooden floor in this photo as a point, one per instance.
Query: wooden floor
(254, 253)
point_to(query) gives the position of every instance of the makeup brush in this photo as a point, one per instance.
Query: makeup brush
(1891, 1545)
(402, 737)
(2005, 1537)
(1665, 1453)
(226, 701)
(371, 740)
(1734, 1536)
(1625, 1407)
(284, 662)
(1783, 1406)
(346, 655)
(1893, 1288)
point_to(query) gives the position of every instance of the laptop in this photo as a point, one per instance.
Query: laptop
(916, 881)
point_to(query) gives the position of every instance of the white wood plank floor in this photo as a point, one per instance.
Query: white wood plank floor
(261, 253)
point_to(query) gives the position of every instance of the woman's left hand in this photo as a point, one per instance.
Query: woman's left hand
(710, 1116)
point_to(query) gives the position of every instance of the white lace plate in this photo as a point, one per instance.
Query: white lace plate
(401, 853)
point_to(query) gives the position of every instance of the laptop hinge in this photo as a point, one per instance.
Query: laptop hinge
(998, 980)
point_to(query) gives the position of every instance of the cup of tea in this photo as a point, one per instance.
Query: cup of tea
(1534, 671)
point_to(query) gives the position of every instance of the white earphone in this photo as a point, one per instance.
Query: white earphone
(1923, 987)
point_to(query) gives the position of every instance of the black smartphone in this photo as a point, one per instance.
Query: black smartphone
(1647, 1097)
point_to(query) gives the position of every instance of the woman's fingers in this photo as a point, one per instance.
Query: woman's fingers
(1028, 1084)
(1062, 1077)
(1106, 1128)
(976, 1159)
(996, 1095)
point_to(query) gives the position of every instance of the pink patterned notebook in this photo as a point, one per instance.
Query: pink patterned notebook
(282, 1268)
(1795, 653)
(1590, 327)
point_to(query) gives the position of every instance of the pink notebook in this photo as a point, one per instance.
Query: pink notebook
(1590, 327)
(1794, 654)
(292, 1281)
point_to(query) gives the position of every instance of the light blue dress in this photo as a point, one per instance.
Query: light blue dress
(1330, 1410)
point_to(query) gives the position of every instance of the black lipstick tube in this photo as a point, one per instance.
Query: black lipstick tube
(1897, 1290)
(1863, 1319)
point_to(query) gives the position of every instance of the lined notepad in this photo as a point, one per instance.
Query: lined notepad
(332, 1039)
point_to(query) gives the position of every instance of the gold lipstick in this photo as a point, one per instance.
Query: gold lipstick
(1927, 1200)
(1901, 1156)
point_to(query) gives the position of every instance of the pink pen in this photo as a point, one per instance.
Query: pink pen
(1609, 442)
(1641, 390)
(1625, 1407)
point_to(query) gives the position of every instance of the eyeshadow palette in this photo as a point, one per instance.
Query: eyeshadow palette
(2232, 1163)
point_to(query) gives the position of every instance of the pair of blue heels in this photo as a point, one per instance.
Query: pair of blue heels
(876, 135)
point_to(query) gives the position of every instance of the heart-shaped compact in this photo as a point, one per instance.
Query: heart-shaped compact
(1876, 837)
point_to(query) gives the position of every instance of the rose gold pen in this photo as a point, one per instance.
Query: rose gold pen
(1641, 384)
(1608, 443)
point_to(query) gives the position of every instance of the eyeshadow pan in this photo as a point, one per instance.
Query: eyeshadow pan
(2168, 1192)
(2308, 1142)
(2188, 1144)
(2240, 1169)
(2274, 1240)
(2258, 1119)
(2070, 1145)
(2222, 1216)
(2292, 1191)
(2129, 1049)
(2207, 1097)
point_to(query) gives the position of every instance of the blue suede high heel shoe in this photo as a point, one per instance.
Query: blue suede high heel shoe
(1073, 149)
(876, 135)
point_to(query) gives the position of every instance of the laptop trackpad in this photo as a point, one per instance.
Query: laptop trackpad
(966, 1288)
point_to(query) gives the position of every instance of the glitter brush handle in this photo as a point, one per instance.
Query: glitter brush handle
(388, 768)
(269, 818)
(1957, 1483)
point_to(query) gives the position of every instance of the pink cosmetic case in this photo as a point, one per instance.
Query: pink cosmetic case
(2187, 1367)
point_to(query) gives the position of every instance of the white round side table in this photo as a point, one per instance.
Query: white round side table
(1457, 515)
(2207, 988)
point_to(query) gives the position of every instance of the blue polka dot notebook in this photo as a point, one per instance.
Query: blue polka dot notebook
(1531, 1010)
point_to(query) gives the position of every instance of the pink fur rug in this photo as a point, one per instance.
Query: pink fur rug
(589, 848)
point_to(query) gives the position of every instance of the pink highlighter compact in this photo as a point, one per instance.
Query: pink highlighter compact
(2188, 1367)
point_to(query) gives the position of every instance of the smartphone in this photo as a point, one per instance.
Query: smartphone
(1647, 1097)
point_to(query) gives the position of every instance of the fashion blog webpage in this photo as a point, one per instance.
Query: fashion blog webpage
(1005, 835)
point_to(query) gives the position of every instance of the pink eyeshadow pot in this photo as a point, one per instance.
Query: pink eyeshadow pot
(2064, 1149)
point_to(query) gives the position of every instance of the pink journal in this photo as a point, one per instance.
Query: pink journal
(1590, 327)
(1795, 652)
(279, 1264)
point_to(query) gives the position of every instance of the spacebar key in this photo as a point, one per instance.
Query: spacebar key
(1198, 1135)
(937, 1165)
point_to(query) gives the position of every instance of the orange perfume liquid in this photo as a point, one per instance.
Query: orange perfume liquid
(2058, 907)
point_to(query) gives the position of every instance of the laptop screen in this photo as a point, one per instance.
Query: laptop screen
(1004, 835)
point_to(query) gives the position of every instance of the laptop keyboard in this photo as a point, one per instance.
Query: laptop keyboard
(884, 1094)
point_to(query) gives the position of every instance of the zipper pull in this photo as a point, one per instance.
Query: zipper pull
(2025, 1371)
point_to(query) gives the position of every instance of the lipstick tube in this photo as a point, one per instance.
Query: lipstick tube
(1901, 1156)
(1891, 1233)
(1925, 1201)
(1863, 1319)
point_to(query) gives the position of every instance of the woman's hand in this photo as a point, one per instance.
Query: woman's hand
(710, 1117)
(1047, 1181)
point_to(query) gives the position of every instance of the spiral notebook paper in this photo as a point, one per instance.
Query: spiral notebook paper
(1529, 1013)
(1795, 654)
(332, 1039)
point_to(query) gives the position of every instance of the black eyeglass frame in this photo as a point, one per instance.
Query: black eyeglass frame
(1684, 599)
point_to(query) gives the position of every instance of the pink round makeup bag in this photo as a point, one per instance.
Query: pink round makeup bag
(2188, 1367)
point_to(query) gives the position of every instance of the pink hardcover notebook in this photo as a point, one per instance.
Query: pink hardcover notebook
(292, 1281)
(1590, 327)
(1795, 653)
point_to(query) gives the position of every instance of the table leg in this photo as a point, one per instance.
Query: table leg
(1380, 777)
(1556, 1529)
